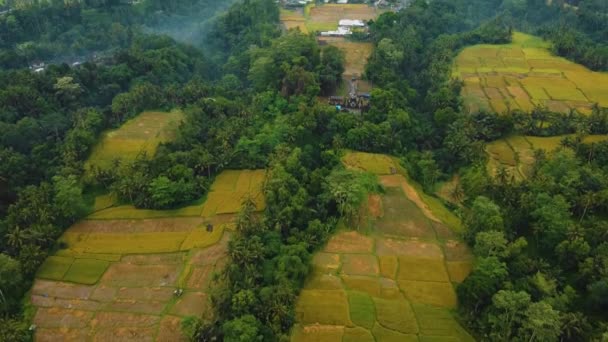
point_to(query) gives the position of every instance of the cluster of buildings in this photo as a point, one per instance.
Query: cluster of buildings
(345, 28)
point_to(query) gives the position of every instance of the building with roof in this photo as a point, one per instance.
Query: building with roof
(351, 23)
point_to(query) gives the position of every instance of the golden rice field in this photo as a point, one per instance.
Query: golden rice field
(390, 282)
(115, 274)
(525, 74)
(226, 195)
(516, 153)
(141, 134)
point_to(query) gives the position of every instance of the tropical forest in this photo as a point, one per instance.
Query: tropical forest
(304, 170)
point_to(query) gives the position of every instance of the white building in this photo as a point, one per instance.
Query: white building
(341, 32)
(351, 23)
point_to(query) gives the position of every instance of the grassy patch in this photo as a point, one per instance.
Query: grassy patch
(323, 307)
(438, 324)
(422, 269)
(141, 134)
(379, 164)
(459, 270)
(432, 293)
(362, 309)
(387, 335)
(396, 314)
(54, 267)
(357, 335)
(369, 285)
(388, 266)
(86, 271)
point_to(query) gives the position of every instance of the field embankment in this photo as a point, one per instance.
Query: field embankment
(525, 74)
(392, 280)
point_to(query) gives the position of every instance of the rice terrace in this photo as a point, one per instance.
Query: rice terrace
(126, 274)
(525, 74)
(392, 281)
(516, 153)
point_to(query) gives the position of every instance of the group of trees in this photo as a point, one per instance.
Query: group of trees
(251, 102)
(49, 122)
(539, 244)
(55, 31)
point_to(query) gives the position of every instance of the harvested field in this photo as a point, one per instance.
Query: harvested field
(523, 74)
(140, 135)
(365, 286)
(360, 264)
(349, 242)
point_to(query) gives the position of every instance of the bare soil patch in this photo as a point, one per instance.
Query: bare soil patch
(61, 289)
(105, 320)
(349, 242)
(326, 262)
(357, 264)
(145, 293)
(457, 251)
(76, 304)
(60, 334)
(130, 275)
(408, 248)
(192, 304)
(125, 334)
(62, 318)
(200, 277)
(170, 330)
(374, 205)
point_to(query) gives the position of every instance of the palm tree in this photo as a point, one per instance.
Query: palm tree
(574, 326)
(17, 237)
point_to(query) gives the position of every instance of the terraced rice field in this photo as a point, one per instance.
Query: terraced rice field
(141, 134)
(115, 278)
(516, 153)
(524, 74)
(393, 282)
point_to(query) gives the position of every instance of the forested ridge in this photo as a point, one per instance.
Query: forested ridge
(250, 101)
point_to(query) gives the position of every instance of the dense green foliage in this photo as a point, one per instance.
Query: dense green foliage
(56, 31)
